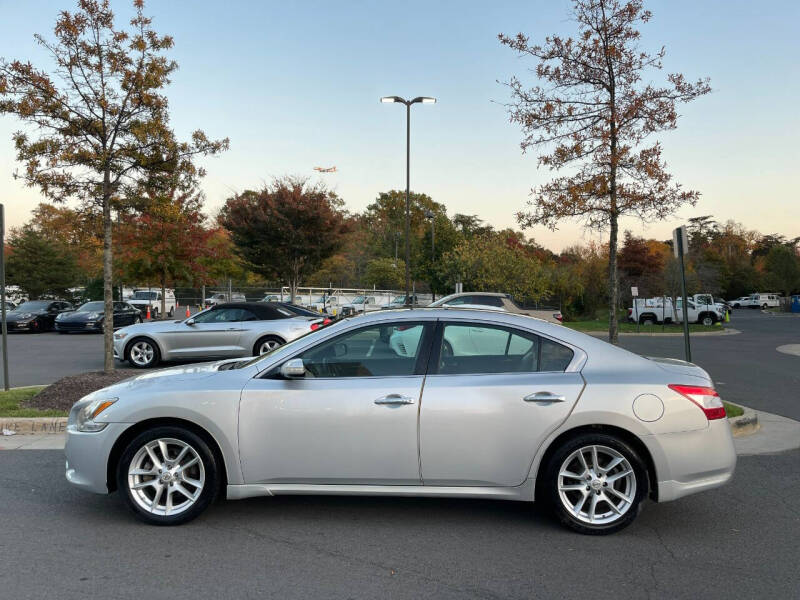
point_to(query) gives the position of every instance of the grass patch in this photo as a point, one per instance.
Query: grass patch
(732, 410)
(626, 327)
(10, 403)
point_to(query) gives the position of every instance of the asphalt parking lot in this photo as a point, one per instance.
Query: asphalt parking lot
(739, 541)
(746, 367)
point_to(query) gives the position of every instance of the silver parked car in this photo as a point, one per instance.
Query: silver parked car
(227, 330)
(533, 411)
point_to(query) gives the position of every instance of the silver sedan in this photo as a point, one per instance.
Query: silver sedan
(237, 329)
(510, 407)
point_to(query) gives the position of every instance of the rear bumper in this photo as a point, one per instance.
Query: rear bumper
(692, 461)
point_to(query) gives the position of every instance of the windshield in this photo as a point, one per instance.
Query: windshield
(145, 295)
(92, 307)
(34, 305)
(399, 300)
(359, 300)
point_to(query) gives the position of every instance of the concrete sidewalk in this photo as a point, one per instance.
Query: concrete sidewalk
(776, 434)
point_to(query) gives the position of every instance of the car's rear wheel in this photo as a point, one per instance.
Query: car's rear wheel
(647, 320)
(595, 483)
(142, 353)
(708, 320)
(168, 475)
(267, 344)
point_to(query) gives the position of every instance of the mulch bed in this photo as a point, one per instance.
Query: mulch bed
(65, 392)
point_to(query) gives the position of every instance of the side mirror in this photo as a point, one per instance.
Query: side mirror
(189, 321)
(293, 368)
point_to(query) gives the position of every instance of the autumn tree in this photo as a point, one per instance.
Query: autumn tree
(591, 113)
(98, 124)
(385, 273)
(168, 241)
(286, 229)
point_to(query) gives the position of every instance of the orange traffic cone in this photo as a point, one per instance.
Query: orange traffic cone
(147, 316)
(188, 314)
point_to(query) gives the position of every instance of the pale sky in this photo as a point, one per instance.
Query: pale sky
(297, 85)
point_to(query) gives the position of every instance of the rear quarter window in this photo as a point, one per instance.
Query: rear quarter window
(554, 356)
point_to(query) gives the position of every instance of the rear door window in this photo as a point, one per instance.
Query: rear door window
(475, 348)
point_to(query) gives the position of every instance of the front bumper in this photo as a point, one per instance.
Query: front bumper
(87, 456)
(79, 326)
(692, 461)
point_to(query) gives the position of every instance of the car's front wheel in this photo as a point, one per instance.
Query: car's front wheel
(595, 483)
(168, 475)
(142, 353)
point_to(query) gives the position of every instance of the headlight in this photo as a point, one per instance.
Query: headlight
(58, 316)
(94, 315)
(25, 316)
(86, 415)
(120, 335)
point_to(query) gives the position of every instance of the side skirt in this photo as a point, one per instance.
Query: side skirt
(523, 493)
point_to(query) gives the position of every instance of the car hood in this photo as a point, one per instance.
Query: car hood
(681, 367)
(157, 379)
(79, 315)
(12, 316)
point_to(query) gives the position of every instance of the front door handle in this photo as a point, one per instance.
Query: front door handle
(394, 399)
(544, 398)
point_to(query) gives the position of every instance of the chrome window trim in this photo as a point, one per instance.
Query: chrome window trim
(579, 356)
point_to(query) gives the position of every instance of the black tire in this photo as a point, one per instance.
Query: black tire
(156, 358)
(171, 312)
(210, 469)
(264, 340)
(550, 484)
(647, 320)
(707, 319)
(764, 306)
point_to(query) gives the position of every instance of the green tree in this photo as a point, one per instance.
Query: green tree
(99, 126)
(385, 274)
(286, 229)
(490, 264)
(782, 270)
(591, 115)
(39, 265)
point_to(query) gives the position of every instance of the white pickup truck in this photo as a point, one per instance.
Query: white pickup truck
(142, 298)
(361, 304)
(700, 309)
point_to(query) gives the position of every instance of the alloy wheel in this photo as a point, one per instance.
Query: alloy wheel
(268, 345)
(142, 353)
(596, 485)
(166, 476)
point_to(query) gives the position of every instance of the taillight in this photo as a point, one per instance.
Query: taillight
(559, 317)
(704, 397)
(315, 326)
(326, 322)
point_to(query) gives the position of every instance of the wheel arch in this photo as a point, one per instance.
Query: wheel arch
(624, 434)
(129, 434)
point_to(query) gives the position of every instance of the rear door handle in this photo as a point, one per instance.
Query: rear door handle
(545, 398)
(394, 399)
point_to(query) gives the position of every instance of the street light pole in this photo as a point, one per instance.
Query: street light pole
(408, 103)
(430, 214)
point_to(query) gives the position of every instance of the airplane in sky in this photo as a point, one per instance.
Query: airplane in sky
(325, 169)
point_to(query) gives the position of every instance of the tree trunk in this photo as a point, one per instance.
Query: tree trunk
(613, 281)
(108, 295)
